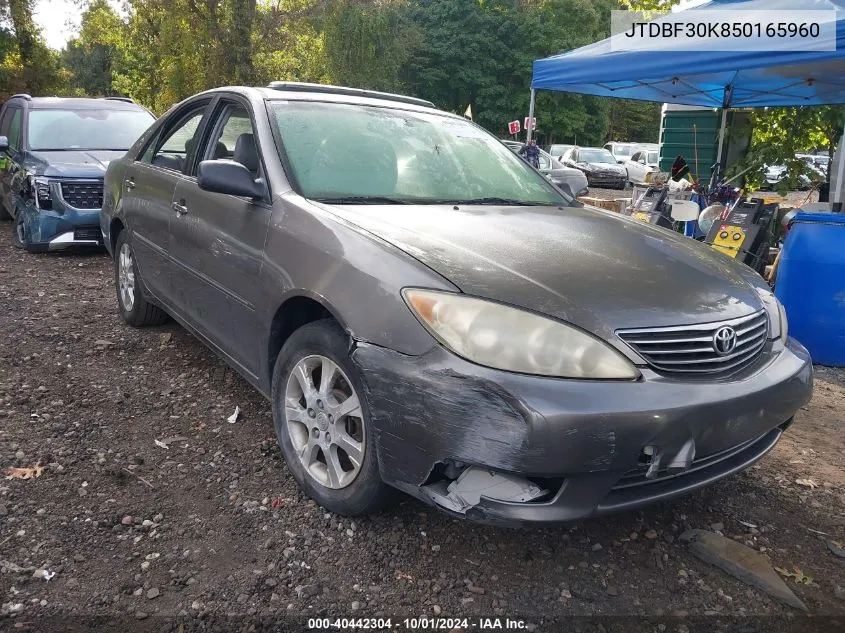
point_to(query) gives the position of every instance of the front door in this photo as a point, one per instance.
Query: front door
(148, 197)
(11, 174)
(217, 243)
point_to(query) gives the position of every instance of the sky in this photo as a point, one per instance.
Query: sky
(59, 19)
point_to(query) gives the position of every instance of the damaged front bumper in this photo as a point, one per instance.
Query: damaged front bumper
(507, 448)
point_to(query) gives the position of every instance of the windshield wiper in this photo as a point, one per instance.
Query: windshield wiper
(498, 201)
(362, 200)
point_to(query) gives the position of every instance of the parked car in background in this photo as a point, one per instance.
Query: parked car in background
(557, 172)
(425, 311)
(621, 151)
(774, 174)
(55, 152)
(642, 164)
(599, 165)
(558, 151)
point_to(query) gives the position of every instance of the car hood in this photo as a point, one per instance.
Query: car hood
(608, 167)
(74, 164)
(593, 268)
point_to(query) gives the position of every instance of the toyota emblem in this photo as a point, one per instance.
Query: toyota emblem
(724, 340)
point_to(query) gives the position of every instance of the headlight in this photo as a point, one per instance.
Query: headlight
(40, 188)
(778, 326)
(501, 337)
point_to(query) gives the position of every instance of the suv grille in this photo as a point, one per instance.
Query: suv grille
(691, 350)
(83, 195)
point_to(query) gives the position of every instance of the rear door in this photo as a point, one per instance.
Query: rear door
(148, 194)
(217, 242)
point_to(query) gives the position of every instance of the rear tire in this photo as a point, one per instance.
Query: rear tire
(323, 423)
(134, 308)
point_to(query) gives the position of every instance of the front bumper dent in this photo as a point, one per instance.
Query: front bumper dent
(582, 440)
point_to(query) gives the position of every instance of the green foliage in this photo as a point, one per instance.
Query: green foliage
(26, 63)
(457, 53)
(780, 133)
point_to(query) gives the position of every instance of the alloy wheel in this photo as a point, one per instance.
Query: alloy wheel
(325, 422)
(126, 277)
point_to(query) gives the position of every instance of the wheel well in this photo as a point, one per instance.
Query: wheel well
(115, 228)
(292, 315)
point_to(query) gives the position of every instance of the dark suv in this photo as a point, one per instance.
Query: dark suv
(53, 156)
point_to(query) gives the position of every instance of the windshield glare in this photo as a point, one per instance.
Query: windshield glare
(86, 129)
(624, 150)
(652, 158)
(595, 156)
(342, 151)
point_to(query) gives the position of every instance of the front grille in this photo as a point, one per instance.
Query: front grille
(87, 233)
(637, 476)
(83, 195)
(691, 351)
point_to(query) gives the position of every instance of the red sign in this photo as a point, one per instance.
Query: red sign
(513, 127)
(533, 123)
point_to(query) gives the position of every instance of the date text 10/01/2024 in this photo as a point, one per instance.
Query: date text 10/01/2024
(417, 624)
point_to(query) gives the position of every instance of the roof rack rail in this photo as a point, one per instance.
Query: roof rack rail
(124, 99)
(297, 86)
(22, 95)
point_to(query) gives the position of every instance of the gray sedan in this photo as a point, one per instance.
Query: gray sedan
(425, 312)
(557, 172)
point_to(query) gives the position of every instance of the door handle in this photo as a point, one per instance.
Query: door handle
(180, 209)
(130, 184)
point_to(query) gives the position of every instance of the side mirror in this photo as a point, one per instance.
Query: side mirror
(227, 176)
(564, 186)
(4, 143)
(684, 210)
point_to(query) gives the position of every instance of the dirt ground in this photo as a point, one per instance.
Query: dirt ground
(152, 504)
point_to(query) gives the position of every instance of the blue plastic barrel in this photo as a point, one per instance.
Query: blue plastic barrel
(811, 284)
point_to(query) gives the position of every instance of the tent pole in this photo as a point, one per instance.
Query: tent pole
(837, 182)
(530, 116)
(717, 172)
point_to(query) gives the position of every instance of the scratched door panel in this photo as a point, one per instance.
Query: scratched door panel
(216, 250)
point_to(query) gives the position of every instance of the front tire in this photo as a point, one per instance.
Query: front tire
(133, 306)
(20, 239)
(323, 423)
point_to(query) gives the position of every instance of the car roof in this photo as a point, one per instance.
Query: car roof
(323, 93)
(78, 103)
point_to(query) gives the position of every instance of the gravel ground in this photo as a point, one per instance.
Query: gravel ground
(151, 503)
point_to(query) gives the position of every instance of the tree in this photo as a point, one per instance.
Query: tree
(98, 52)
(780, 133)
(28, 66)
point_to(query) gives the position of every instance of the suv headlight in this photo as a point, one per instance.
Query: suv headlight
(778, 326)
(40, 189)
(502, 337)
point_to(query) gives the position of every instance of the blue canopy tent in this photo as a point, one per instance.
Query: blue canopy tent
(780, 76)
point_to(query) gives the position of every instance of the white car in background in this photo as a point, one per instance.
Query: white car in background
(642, 163)
(621, 151)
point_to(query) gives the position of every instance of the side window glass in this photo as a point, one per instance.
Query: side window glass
(178, 142)
(233, 138)
(14, 134)
(5, 122)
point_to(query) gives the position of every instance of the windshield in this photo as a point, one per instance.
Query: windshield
(86, 129)
(652, 158)
(559, 150)
(595, 156)
(623, 150)
(356, 154)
